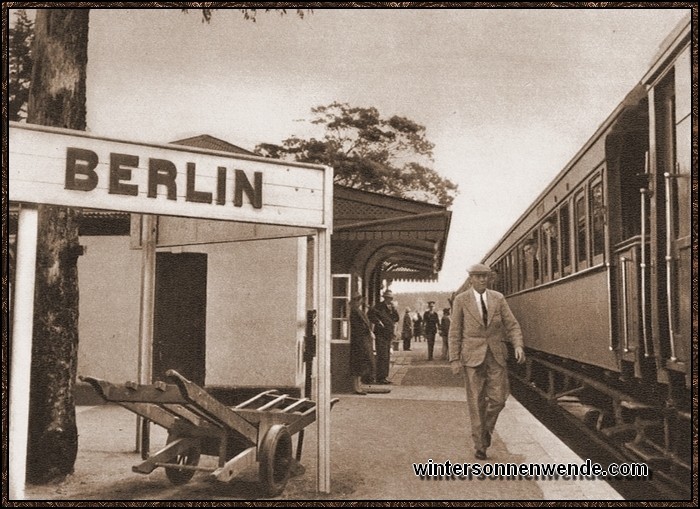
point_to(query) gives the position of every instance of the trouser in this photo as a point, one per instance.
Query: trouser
(431, 344)
(383, 347)
(445, 348)
(407, 343)
(487, 390)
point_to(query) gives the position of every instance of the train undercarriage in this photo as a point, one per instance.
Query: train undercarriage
(633, 421)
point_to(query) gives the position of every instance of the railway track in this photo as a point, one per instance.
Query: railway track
(577, 433)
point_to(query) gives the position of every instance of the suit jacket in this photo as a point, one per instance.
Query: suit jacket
(445, 325)
(361, 343)
(384, 317)
(431, 321)
(469, 337)
(360, 325)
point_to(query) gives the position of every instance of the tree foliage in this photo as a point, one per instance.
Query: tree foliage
(20, 62)
(249, 14)
(370, 152)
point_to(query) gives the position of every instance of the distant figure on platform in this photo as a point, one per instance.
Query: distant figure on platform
(481, 322)
(418, 328)
(361, 345)
(384, 316)
(407, 330)
(431, 322)
(444, 332)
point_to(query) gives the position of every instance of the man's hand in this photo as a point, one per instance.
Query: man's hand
(456, 367)
(519, 354)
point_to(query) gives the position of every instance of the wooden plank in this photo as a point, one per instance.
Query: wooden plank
(255, 398)
(166, 455)
(273, 402)
(21, 357)
(213, 409)
(236, 465)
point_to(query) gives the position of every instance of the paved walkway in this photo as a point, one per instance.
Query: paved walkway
(375, 440)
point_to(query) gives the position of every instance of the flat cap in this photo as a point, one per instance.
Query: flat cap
(479, 268)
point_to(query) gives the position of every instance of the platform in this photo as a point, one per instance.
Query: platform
(375, 439)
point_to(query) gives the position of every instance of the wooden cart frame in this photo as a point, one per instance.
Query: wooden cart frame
(257, 430)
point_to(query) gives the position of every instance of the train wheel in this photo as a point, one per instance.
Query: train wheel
(190, 457)
(275, 459)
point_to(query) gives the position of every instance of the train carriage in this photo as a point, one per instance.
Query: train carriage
(598, 272)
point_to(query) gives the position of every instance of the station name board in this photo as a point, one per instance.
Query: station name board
(81, 176)
(71, 168)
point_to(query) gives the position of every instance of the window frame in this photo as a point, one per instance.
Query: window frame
(343, 321)
(594, 181)
(565, 244)
(581, 263)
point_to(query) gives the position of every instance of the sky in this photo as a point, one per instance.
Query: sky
(508, 96)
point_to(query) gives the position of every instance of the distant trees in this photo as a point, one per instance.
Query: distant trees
(370, 152)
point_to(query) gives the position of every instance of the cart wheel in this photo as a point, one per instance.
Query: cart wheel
(275, 459)
(190, 457)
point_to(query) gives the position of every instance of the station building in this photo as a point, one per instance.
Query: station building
(232, 300)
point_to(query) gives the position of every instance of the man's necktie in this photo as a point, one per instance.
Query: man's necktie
(484, 311)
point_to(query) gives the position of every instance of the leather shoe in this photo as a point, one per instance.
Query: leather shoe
(360, 392)
(384, 382)
(480, 455)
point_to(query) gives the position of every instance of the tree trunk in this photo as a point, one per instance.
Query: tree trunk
(57, 98)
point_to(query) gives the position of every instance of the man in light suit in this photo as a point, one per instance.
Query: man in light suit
(481, 323)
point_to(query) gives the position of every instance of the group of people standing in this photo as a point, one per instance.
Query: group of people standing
(375, 330)
(370, 331)
(427, 325)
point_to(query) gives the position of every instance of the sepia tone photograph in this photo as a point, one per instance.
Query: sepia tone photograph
(387, 252)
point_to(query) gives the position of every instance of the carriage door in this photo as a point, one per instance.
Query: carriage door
(179, 328)
(673, 135)
(628, 185)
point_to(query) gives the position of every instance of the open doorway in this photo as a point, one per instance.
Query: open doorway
(179, 324)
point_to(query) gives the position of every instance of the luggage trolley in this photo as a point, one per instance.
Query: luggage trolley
(257, 430)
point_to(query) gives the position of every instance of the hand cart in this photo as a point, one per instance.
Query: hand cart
(257, 430)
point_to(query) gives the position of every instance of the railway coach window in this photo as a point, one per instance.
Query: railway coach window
(530, 270)
(581, 221)
(510, 278)
(597, 208)
(550, 247)
(565, 236)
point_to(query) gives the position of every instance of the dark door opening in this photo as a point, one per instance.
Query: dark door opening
(179, 329)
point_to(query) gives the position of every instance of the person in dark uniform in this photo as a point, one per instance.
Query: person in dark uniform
(361, 345)
(431, 322)
(481, 324)
(407, 330)
(384, 317)
(418, 328)
(444, 331)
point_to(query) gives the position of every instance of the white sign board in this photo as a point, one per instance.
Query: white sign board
(71, 168)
